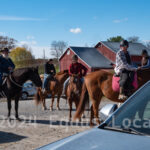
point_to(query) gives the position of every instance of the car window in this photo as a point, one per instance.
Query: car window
(135, 113)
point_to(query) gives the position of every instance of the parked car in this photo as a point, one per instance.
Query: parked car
(128, 128)
(28, 89)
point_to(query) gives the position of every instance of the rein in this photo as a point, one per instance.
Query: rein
(15, 82)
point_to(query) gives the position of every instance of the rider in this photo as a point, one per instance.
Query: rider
(124, 69)
(145, 62)
(50, 71)
(6, 64)
(75, 68)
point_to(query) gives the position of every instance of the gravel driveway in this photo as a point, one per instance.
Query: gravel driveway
(38, 127)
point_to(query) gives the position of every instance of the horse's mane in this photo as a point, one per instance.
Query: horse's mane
(19, 71)
(62, 72)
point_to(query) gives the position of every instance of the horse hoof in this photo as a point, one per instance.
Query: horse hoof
(58, 108)
(91, 124)
(44, 108)
(9, 119)
(18, 119)
(51, 109)
(83, 116)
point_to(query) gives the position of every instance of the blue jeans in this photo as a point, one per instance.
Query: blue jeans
(47, 77)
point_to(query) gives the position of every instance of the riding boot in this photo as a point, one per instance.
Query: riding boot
(122, 95)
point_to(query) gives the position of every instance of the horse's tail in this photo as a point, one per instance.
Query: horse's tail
(37, 96)
(83, 101)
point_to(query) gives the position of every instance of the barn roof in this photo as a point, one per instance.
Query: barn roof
(92, 57)
(134, 48)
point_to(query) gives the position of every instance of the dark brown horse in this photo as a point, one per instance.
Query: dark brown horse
(73, 92)
(13, 85)
(55, 87)
(99, 84)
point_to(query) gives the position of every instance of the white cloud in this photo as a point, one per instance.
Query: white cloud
(2, 33)
(15, 18)
(30, 37)
(29, 43)
(38, 51)
(75, 30)
(146, 41)
(120, 20)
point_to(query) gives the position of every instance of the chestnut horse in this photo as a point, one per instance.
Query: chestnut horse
(55, 87)
(73, 92)
(99, 84)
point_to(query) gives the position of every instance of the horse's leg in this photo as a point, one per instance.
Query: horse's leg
(96, 103)
(70, 105)
(43, 97)
(51, 106)
(58, 99)
(76, 101)
(92, 116)
(16, 108)
(9, 107)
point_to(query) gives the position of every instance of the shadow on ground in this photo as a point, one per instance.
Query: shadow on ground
(7, 137)
(58, 123)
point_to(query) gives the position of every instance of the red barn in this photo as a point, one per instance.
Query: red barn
(109, 50)
(101, 56)
(88, 56)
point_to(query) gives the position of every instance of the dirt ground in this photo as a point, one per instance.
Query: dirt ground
(37, 127)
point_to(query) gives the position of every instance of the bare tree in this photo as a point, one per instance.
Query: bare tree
(148, 45)
(133, 39)
(7, 42)
(57, 48)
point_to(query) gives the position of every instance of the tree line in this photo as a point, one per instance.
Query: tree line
(23, 57)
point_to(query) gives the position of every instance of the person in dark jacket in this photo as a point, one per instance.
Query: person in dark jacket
(49, 73)
(7, 61)
(6, 64)
(145, 62)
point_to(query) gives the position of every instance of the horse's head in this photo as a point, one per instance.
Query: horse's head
(62, 76)
(75, 82)
(33, 75)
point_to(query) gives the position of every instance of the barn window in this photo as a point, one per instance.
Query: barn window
(68, 52)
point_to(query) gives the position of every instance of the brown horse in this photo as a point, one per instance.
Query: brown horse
(99, 84)
(55, 87)
(73, 92)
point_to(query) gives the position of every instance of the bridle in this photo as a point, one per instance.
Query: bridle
(14, 82)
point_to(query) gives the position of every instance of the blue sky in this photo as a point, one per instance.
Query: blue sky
(77, 22)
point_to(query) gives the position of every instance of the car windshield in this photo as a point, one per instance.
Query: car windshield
(134, 115)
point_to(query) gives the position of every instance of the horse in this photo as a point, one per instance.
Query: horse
(13, 86)
(73, 92)
(55, 87)
(98, 84)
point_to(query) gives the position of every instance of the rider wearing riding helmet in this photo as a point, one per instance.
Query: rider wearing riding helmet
(75, 68)
(145, 62)
(124, 69)
(6, 64)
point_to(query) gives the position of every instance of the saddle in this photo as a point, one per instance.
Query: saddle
(116, 86)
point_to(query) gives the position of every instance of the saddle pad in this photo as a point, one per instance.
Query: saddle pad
(115, 83)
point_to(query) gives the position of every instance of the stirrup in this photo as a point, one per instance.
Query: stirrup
(122, 97)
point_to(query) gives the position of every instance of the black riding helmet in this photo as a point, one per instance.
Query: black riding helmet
(74, 57)
(144, 52)
(124, 43)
